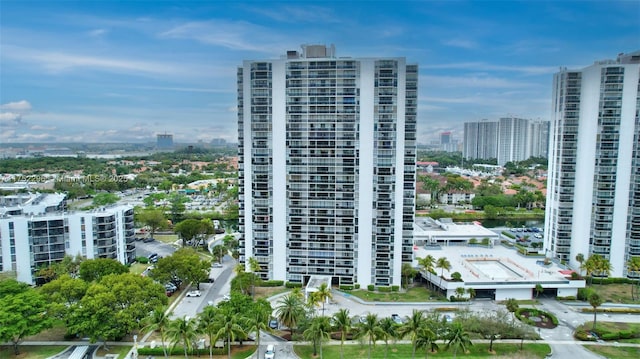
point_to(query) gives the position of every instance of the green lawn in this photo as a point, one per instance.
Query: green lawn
(138, 268)
(612, 352)
(31, 352)
(166, 238)
(414, 294)
(615, 293)
(403, 351)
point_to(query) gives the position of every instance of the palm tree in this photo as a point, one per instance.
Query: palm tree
(312, 302)
(208, 325)
(539, 289)
(182, 330)
(633, 266)
(443, 263)
(389, 331)
(458, 338)
(158, 320)
(427, 264)
(229, 328)
(318, 331)
(324, 294)
(580, 259)
(411, 328)
(595, 301)
(257, 320)
(370, 329)
(604, 268)
(471, 292)
(254, 266)
(407, 272)
(290, 310)
(427, 340)
(342, 323)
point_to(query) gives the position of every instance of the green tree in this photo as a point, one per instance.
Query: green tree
(208, 325)
(63, 294)
(512, 305)
(389, 331)
(183, 330)
(342, 323)
(580, 259)
(426, 340)
(633, 267)
(114, 306)
(595, 300)
(458, 338)
(443, 263)
(186, 264)
(411, 328)
(230, 328)
(92, 270)
(539, 289)
(193, 231)
(23, 312)
(317, 332)
(158, 320)
(369, 330)
(290, 311)
(427, 263)
(219, 252)
(258, 319)
(105, 199)
(408, 272)
(154, 219)
(254, 266)
(324, 294)
(177, 206)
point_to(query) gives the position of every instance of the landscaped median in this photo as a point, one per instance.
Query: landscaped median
(403, 351)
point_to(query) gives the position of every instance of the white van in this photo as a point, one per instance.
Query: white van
(270, 353)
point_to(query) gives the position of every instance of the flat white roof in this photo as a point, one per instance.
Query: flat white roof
(426, 228)
(481, 265)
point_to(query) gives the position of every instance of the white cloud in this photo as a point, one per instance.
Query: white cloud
(43, 128)
(461, 43)
(10, 118)
(481, 66)
(472, 81)
(298, 14)
(19, 106)
(98, 32)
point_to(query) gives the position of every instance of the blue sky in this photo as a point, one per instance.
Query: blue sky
(123, 71)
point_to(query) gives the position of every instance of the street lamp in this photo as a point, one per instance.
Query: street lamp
(135, 346)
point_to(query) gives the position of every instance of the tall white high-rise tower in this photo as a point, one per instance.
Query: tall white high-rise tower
(327, 152)
(593, 195)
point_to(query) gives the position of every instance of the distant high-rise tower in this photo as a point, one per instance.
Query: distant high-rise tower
(327, 152)
(593, 189)
(513, 134)
(164, 141)
(480, 140)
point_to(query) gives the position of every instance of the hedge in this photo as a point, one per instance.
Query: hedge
(178, 350)
(346, 287)
(293, 285)
(395, 288)
(142, 260)
(621, 280)
(371, 287)
(507, 234)
(612, 310)
(384, 289)
(584, 336)
(272, 283)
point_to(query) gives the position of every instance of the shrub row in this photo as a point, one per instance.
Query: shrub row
(346, 287)
(142, 260)
(508, 234)
(293, 285)
(612, 310)
(621, 280)
(178, 350)
(272, 283)
(584, 336)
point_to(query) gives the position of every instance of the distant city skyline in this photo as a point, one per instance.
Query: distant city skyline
(127, 71)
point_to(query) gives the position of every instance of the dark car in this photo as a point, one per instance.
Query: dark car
(148, 239)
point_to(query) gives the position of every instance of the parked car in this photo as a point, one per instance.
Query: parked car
(273, 323)
(216, 265)
(148, 239)
(396, 318)
(194, 293)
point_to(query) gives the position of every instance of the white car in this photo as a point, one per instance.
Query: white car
(194, 293)
(226, 297)
(270, 353)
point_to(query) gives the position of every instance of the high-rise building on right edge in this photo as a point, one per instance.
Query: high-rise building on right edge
(593, 189)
